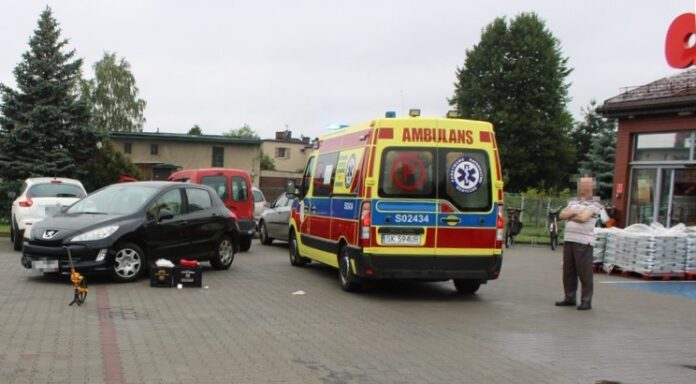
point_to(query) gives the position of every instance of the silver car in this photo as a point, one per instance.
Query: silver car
(274, 220)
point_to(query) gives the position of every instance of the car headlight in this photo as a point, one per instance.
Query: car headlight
(96, 234)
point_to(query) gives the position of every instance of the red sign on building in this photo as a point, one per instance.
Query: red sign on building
(680, 49)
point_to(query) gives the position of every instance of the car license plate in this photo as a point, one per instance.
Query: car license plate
(401, 239)
(44, 265)
(52, 210)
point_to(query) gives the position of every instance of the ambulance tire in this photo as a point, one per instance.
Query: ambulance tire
(467, 286)
(296, 260)
(349, 282)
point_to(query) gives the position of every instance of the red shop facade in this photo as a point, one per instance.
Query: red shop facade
(655, 168)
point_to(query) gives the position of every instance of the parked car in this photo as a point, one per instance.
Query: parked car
(260, 205)
(233, 186)
(121, 228)
(274, 221)
(39, 197)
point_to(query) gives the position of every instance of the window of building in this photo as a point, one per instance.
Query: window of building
(154, 149)
(282, 153)
(668, 146)
(127, 147)
(218, 156)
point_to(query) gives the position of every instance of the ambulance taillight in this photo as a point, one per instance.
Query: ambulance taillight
(500, 228)
(365, 218)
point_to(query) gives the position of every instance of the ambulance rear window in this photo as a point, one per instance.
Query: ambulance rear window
(407, 173)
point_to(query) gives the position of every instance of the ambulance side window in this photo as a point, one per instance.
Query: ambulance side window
(307, 177)
(324, 174)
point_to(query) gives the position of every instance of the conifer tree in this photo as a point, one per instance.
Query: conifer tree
(44, 125)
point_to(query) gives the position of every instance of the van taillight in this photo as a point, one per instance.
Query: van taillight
(500, 228)
(365, 224)
(27, 203)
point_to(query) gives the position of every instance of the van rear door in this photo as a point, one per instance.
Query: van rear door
(405, 215)
(467, 217)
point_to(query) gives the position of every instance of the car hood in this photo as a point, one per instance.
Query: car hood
(66, 225)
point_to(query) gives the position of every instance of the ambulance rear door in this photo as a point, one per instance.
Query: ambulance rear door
(467, 217)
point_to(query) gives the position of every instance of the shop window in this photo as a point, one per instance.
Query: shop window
(664, 146)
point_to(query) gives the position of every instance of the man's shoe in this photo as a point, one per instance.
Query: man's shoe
(565, 303)
(584, 306)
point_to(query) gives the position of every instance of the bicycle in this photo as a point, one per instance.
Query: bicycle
(553, 227)
(514, 226)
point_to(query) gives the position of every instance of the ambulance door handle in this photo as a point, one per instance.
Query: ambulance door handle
(453, 220)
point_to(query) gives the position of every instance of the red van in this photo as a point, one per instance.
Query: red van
(234, 188)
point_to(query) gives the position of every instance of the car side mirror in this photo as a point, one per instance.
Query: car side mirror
(11, 194)
(165, 214)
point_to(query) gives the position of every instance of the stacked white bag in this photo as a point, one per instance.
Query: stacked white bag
(646, 249)
(691, 249)
(600, 245)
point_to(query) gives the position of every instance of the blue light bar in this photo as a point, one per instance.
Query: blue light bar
(390, 114)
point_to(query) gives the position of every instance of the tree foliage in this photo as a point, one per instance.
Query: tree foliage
(113, 96)
(515, 77)
(243, 132)
(267, 164)
(599, 134)
(107, 166)
(195, 130)
(44, 124)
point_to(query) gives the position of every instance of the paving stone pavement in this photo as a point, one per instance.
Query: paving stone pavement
(247, 327)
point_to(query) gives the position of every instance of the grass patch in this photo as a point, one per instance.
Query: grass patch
(4, 228)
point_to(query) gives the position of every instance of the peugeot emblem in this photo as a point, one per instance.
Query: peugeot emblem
(48, 235)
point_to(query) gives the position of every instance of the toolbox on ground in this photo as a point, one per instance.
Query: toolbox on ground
(188, 276)
(161, 277)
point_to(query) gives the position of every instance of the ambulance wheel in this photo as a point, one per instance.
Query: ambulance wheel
(349, 282)
(296, 260)
(467, 287)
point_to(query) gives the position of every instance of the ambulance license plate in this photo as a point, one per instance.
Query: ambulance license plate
(401, 239)
(44, 265)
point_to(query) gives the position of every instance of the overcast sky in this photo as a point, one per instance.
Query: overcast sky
(310, 64)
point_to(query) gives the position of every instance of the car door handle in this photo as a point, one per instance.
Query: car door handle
(451, 220)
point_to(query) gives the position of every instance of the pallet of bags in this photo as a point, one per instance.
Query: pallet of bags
(690, 263)
(599, 249)
(647, 250)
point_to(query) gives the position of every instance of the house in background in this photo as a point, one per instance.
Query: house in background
(158, 155)
(289, 156)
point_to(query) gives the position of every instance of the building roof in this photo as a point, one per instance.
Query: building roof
(181, 137)
(674, 94)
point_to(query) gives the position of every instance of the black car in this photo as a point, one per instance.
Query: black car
(123, 228)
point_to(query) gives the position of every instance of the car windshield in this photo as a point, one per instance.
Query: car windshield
(121, 199)
(258, 196)
(56, 189)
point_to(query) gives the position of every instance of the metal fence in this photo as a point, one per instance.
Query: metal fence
(534, 215)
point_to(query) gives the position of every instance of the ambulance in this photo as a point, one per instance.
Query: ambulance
(402, 198)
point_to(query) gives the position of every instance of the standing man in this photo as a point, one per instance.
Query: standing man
(579, 240)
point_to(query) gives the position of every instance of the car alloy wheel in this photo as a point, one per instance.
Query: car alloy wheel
(224, 255)
(128, 263)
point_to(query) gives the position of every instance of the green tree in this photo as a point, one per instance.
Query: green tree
(44, 124)
(584, 131)
(515, 77)
(107, 166)
(195, 130)
(243, 132)
(113, 96)
(267, 164)
(598, 159)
